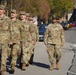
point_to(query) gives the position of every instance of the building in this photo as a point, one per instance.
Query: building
(72, 16)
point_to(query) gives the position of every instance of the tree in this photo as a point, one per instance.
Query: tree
(41, 7)
(34, 7)
(60, 7)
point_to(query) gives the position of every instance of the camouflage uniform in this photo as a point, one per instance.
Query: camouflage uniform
(54, 38)
(4, 40)
(35, 38)
(15, 38)
(26, 42)
(34, 32)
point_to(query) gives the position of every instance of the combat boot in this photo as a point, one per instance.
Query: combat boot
(3, 70)
(57, 66)
(12, 68)
(24, 67)
(27, 64)
(2, 73)
(52, 67)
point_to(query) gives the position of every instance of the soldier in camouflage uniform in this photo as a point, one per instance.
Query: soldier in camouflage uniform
(4, 38)
(27, 16)
(35, 37)
(26, 40)
(54, 39)
(15, 38)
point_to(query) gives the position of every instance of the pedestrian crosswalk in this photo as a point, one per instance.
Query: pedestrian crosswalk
(73, 65)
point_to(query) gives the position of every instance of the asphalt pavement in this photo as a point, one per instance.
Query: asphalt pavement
(41, 62)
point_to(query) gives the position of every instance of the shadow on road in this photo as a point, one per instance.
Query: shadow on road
(41, 65)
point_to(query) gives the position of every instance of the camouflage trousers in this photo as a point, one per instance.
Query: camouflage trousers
(3, 56)
(32, 49)
(54, 51)
(26, 52)
(9, 51)
(14, 52)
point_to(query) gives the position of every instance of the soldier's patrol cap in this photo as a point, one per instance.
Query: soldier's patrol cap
(54, 18)
(13, 11)
(22, 13)
(2, 7)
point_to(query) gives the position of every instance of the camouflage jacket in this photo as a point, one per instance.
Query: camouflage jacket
(25, 32)
(4, 29)
(54, 35)
(15, 31)
(34, 32)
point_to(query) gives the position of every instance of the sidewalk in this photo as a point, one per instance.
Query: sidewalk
(41, 62)
(72, 68)
(67, 57)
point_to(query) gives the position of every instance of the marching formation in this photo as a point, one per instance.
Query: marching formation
(19, 36)
(17, 39)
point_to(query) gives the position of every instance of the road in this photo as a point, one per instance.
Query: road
(41, 61)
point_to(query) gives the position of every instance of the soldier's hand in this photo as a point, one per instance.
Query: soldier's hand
(33, 43)
(62, 44)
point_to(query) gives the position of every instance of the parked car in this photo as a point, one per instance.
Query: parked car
(73, 24)
(42, 29)
(65, 25)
